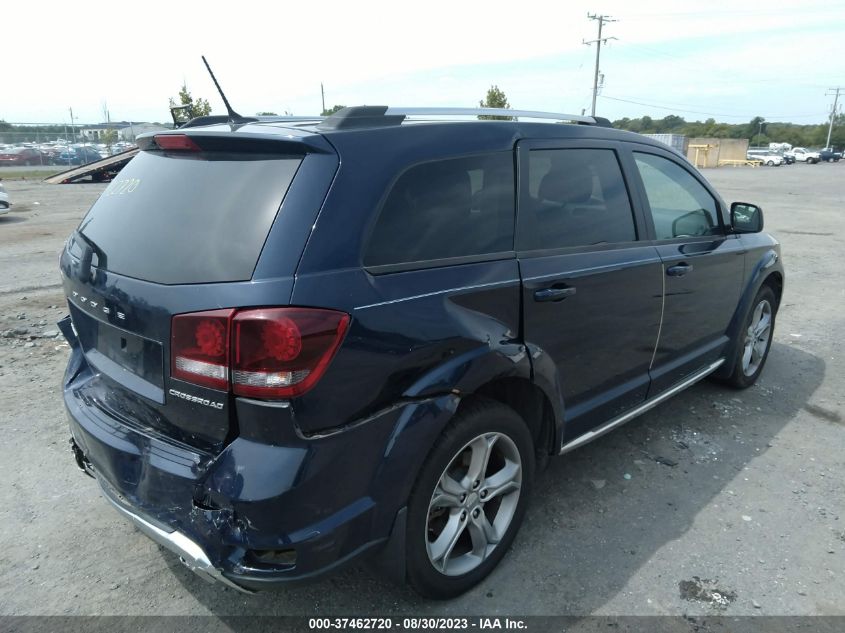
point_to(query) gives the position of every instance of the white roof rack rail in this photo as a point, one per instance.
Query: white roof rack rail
(525, 114)
(358, 117)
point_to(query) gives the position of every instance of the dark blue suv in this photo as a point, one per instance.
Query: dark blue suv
(296, 343)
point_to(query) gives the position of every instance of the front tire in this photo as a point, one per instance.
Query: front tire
(755, 340)
(469, 500)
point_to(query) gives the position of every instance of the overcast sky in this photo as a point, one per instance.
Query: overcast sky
(731, 60)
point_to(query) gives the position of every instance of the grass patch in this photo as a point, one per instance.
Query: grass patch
(16, 173)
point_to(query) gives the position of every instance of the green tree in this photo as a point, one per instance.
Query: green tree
(332, 110)
(813, 135)
(109, 137)
(495, 99)
(755, 127)
(670, 123)
(198, 107)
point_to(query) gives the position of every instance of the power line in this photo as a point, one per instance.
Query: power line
(735, 116)
(687, 14)
(601, 19)
(684, 63)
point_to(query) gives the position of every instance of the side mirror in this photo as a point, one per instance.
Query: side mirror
(692, 224)
(746, 218)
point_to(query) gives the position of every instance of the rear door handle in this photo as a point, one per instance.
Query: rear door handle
(553, 294)
(679, 270)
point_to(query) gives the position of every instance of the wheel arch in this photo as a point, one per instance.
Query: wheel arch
(775, 281)
(766, 270)
(491, 376)
(532, 405)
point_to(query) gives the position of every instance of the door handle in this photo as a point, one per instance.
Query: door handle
(553, 294)
(679, 270)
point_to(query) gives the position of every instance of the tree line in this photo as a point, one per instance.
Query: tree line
(758, 131)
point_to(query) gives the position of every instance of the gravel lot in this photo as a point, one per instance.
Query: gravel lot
(750, 520)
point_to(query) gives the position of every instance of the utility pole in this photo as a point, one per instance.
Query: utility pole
(832, 112)
(601, 19)
(72, 129)
(323, 95)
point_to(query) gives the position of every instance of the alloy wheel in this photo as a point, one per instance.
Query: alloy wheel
(473, 504)
(757, 338)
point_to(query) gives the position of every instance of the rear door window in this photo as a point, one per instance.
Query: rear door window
(446, 209)
(197, 218)
(577, 197)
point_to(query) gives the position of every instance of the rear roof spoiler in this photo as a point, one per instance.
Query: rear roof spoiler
(213, 119)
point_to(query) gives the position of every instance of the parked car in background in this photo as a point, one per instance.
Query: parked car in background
(380, 367)
(66, 156)
(770, 159)
(4, 200)
(52, 153)
(828, 155)
(81, 155)
(804, 155)
(88, 154)
(22, 156)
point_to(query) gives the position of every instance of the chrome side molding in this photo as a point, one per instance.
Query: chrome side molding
(588, 437)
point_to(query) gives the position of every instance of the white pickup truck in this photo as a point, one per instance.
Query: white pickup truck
(804, 155)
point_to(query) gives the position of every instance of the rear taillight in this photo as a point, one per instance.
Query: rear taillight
(269, 352)
(199, 348)
(283, 352)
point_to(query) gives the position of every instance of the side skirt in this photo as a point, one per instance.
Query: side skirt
(588, 437)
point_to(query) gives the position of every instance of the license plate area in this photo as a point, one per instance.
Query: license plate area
(129, 359)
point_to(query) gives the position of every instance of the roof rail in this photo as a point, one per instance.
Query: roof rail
(360, 117)
(381, 116)
(505, 112)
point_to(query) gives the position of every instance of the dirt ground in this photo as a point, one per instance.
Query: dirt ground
(717, 502)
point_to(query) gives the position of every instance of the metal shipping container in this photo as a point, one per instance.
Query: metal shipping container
(675, 141)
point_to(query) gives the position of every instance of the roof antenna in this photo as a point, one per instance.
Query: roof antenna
(234, 117)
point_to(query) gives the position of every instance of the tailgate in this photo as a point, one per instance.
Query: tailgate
(175, 232)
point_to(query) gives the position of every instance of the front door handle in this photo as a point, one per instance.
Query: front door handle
(553, 294)
(679, 270)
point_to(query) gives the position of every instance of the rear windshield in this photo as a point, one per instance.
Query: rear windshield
(182, 219)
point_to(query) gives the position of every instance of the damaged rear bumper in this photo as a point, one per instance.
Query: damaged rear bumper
(158, 490)
(189, 552)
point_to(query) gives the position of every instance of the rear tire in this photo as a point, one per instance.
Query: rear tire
(469, 500)
(755, 340)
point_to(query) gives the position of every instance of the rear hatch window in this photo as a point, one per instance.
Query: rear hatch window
(186, 218)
